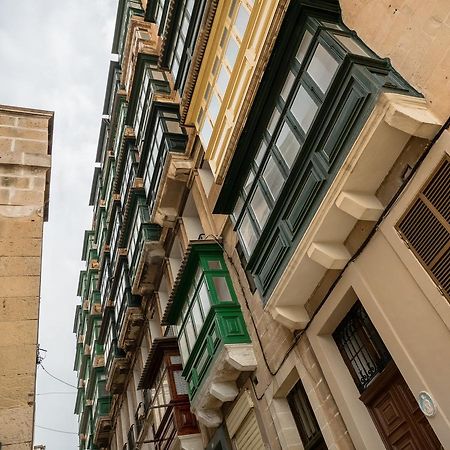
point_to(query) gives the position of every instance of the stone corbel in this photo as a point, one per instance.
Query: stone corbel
(180, 169)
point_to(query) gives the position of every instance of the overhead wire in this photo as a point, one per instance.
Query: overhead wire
(55, 430)
(56, 378)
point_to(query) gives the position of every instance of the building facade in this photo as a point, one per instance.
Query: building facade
(269, 259)
(25, 158)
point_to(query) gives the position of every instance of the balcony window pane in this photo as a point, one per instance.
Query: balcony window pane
(249, 182)
(248, 234)
(303, 48)
(204, 299)
(232, 51)
(261, 152)
(273, 121)
(206, 132)
(242, 20)
(287, 145)
(184, 350)
(322, 67)
(260, 207)
(214, 107)
(197, 316)
(190, 332)
(238, 208)
(351, 45)
(181, 386)
(303, 108)
(214, 265)
(222, 80)
(287, 86)
(273, 177)
(221, 288)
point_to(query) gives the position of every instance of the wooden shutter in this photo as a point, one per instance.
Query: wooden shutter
(425, 226)
(243, 426)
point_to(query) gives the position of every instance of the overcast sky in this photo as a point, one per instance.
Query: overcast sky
(55, 55)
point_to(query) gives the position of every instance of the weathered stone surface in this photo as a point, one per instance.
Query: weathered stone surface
(24, 161)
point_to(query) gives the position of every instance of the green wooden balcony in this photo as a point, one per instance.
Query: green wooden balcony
(145, 252)
(101, 408)
(212, 334)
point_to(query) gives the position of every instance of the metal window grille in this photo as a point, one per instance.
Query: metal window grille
(361, 346)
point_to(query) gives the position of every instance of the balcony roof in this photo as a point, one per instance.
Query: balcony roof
(154, 359)
(184, 277)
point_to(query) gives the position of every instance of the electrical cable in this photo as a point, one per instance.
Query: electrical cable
(56, 378)
(56, 393)
(54, 430)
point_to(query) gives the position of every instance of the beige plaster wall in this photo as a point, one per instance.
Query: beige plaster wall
(25, 138)
(415, 35)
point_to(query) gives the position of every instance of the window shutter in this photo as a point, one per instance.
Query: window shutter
(242, 425)
(426, 226)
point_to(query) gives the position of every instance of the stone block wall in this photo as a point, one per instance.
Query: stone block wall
(25, 147)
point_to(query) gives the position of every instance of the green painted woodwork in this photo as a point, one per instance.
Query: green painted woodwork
(342, 112)
(126, 9)
(205, 303)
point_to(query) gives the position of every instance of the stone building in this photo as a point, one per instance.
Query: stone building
(269, 259)
(25, 157)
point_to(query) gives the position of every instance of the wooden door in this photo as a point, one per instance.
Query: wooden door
(396, 413)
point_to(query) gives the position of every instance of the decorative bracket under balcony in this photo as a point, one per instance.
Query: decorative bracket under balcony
(351, 197)
(219, 386)
(131, 327)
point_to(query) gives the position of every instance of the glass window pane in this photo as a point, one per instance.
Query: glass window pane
(214, 107)
(224, 37)
(190, 332)
(303, 48)
(247, 233)
(273, 177)
(322, 67)
(197, 316)
(287, 145)
(238, 207)
(214, 265)
(287, 86)
(184, 351)
(222, 80)
(351, 45)
(221, 287)
(232, 51)
(206, 132)
(260, 207)
(304, 109)
(331, 25)
(242, 20)
(249, 182)
(204, 298)
(273, 121)
(261, 152)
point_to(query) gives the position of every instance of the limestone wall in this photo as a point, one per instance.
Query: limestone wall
(415, 35)
(25, 144)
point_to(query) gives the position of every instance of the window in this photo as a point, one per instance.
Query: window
(211, 285)
(167, 135)
(361, 347)
(311, 71)
(227, 52)
(181, 28)
(426, 226)
(305, 419)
